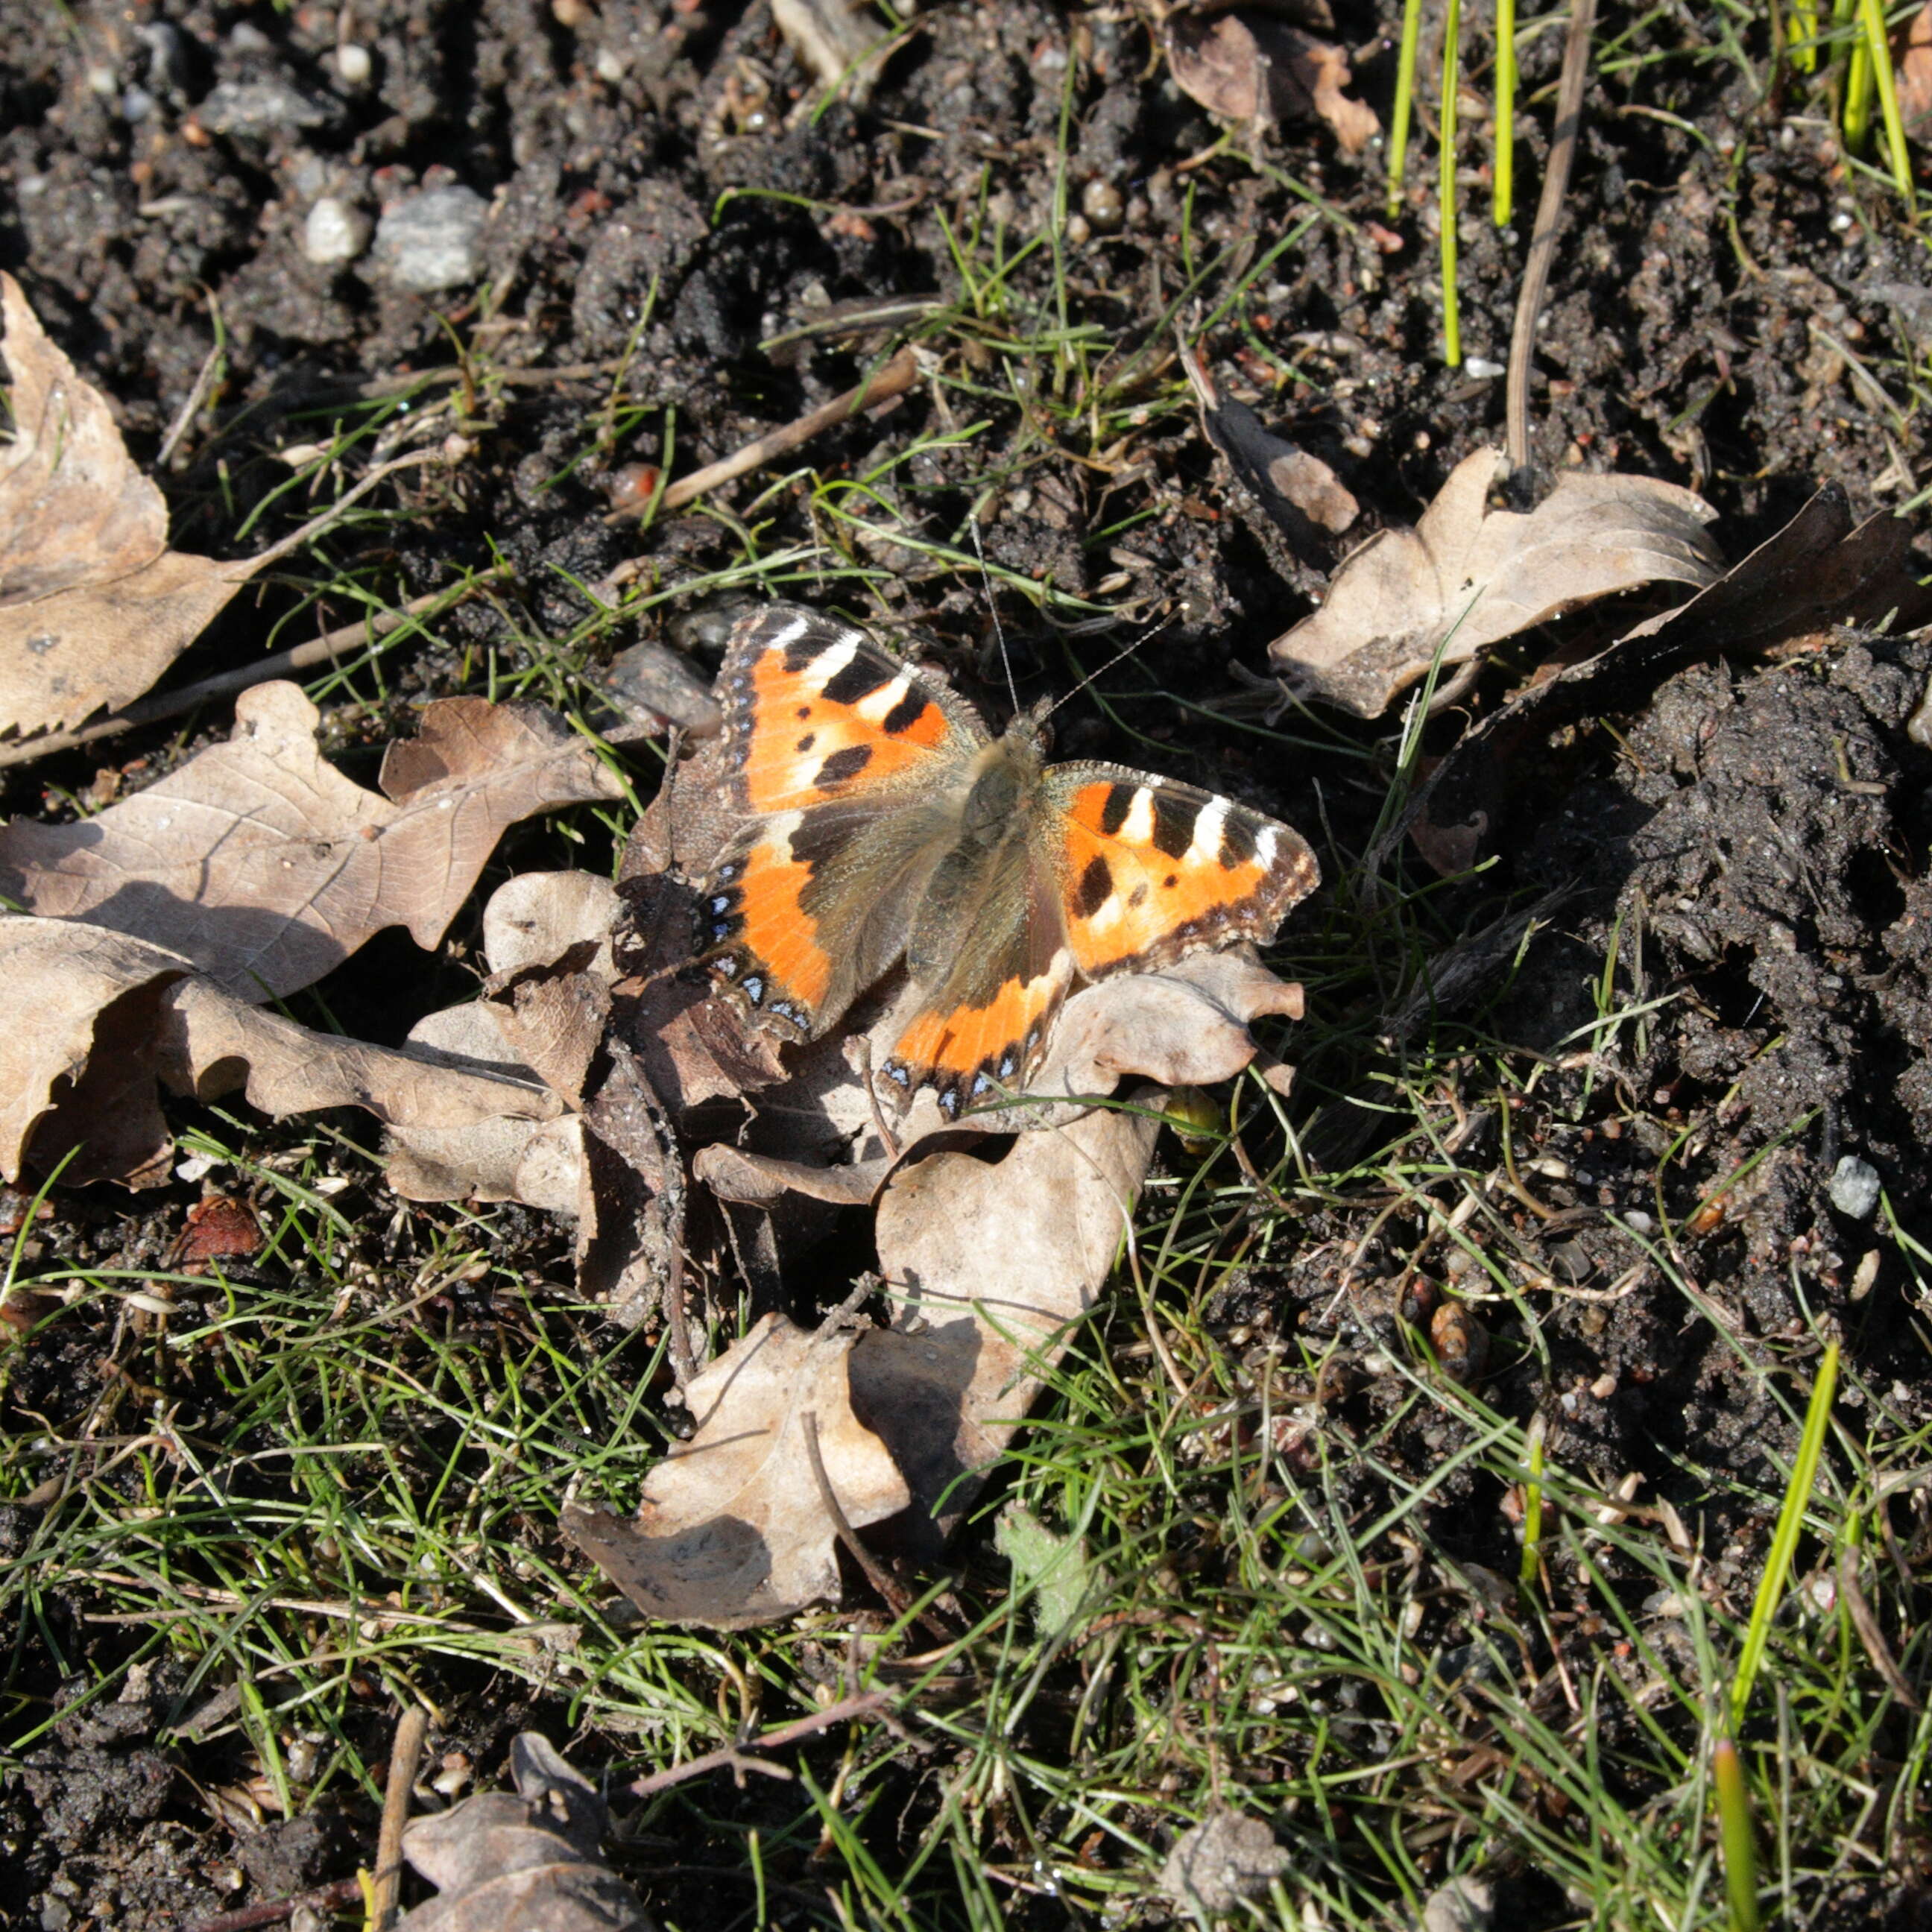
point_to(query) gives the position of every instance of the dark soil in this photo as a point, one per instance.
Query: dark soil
(1753, 842)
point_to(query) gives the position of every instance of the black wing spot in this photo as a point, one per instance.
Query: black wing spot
(800, 653)
(805, 711)
(859, 679)
(1237, 844)
(909, 710)
(1172, 879)
(1173, 823)
(1096, 884)
(810, 739)
(1114, 813)
(843, 764)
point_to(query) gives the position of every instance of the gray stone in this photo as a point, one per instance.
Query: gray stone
(429, 240)
(1854, 1187)
(262, 107)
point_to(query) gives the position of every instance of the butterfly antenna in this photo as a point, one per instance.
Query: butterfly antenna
(992, 604)
(1152, 630)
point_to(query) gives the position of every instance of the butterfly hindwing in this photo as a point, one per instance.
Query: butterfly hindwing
(979, 1031)
(1151, 870)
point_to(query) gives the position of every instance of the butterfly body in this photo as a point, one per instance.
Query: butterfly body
(881, 823)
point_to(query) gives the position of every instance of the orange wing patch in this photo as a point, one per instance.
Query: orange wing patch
(814, 727)
(1153, 871)
(769, 953)
(973, 1052)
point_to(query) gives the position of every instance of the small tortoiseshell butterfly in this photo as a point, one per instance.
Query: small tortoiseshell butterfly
(883, 821)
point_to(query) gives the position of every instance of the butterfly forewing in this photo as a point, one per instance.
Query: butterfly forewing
(814, 710)
(839, 758)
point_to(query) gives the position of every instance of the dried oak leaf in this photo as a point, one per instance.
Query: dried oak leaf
(1245, 65)
(531, 1861)
(266, 867)
(103, 1020)
(1468, 576)
(733, 1529)
(94, 605)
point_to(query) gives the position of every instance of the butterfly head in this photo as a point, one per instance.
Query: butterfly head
(1030, 728)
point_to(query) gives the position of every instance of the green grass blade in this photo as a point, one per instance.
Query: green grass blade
(1735, 1836)
(1878, 49)
(1784, 1543)
(1505, 155)
(1856, 112)
(1405, 99)
(1452, 320)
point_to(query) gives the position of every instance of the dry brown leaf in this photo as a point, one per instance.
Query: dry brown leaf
(506, 1157)
(265, 866)
(733, 1529)
(1912, 70)
(1468, 576)
(94, 605)
(531, 1861)
(991, 1262)
(101, 1020)
(1245, 66)
(1821, 569)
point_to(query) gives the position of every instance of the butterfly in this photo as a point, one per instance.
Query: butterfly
(881, 822)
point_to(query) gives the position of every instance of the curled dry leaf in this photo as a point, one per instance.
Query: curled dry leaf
(102, 1021)
(1304, 498)
(1819, 570)
(94, 605)
(1245, 65)
(733, 1529)
(531, 1861)
(1468, 576)
(265, 866)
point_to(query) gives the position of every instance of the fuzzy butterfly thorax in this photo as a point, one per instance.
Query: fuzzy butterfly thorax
(881, 824)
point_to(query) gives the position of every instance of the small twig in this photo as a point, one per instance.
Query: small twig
(327, 649)
(895, 1598)
(185, 415)
(412, 1728)
(330, 1897)
(1870, 1635)
(894, 379)
(1549, 216)
(862, 1706)
(413, 460)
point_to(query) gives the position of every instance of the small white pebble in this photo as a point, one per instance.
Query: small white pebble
(353, 63)
(1482, 369)
(337, 231)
